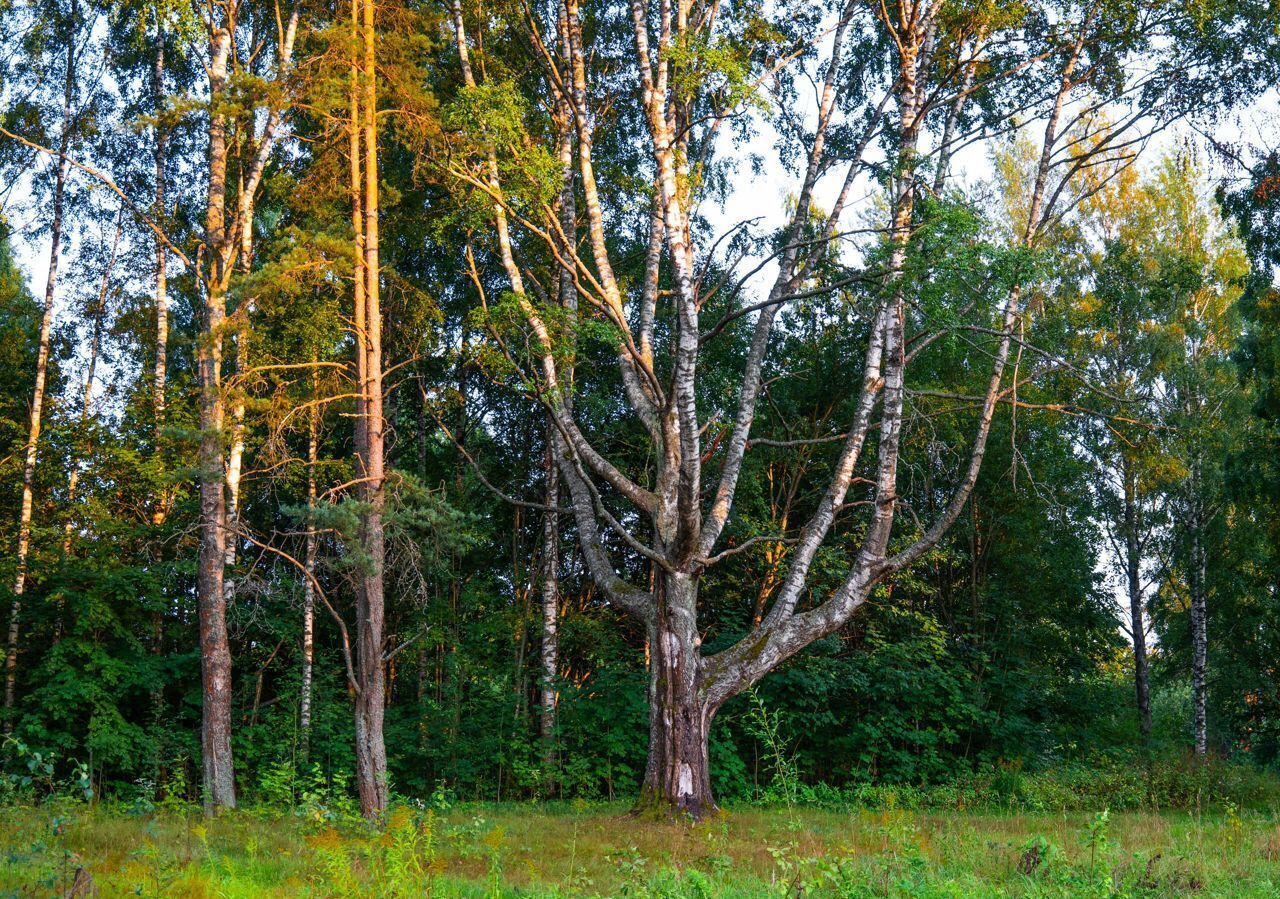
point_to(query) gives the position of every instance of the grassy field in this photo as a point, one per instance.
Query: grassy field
(597, 851)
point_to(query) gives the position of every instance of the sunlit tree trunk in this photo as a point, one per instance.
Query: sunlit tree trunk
(215, 651)
(678, 772)
(23, 549)
(370, 701)
(235, 454)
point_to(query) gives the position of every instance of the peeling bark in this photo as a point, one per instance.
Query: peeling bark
(677, 777)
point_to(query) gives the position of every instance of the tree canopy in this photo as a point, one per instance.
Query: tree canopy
(580, 398)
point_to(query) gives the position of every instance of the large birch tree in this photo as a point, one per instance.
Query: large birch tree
(899, 90)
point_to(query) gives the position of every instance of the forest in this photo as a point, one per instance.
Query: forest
(441, 432)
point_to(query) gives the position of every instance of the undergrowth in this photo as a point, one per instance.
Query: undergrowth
(1104, 830)
(596, 851)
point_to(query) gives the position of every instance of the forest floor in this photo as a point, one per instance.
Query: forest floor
(530, 850)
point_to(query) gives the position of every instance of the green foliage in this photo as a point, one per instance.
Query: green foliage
(489, 121)
(33, 775)
(765, 727)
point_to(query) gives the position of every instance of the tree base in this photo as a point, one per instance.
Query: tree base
(653, 807)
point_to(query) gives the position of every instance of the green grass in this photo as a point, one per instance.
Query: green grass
(527, 850)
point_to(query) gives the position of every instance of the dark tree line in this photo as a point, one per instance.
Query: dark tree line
(402, 372)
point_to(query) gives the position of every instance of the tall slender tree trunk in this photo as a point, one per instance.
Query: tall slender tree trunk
(23, 549)
(215, 650)
(371, 753)
(1199, 617)
(568, 297)
(550, 607)
(161, 372)
(1137, 620)
(235, 455)
(308, 588)
(235, 459)
(357, 227)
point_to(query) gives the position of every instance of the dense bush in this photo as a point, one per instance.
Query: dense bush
(1138, 784)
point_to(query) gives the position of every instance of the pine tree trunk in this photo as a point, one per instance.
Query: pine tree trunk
(23, 549)
(371, 753)
(215, 650)
(677, 778)
(357, 228)
(1137, 620)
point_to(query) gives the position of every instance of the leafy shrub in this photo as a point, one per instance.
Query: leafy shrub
(1119, 785)
(33, 775)
(1149, 784)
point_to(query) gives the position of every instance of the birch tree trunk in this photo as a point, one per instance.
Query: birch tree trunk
(686, 688)
(1199, 617)
(23, 549)
(235, 455)
(221, 249)
(550, 608)
(568, 298)
(308, 588)
(1137, 619)
(161, 371)
(215, 651)
(677, 776)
